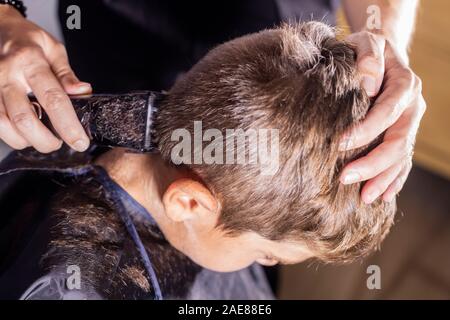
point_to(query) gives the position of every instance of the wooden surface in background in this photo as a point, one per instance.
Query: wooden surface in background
(430, 60)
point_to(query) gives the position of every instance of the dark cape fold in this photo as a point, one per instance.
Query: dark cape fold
(63, 211)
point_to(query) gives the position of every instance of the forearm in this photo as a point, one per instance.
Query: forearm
(397, 18)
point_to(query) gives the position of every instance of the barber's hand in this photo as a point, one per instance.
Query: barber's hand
(397, 111)
(31, 60)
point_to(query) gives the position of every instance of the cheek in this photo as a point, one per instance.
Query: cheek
(231, 260)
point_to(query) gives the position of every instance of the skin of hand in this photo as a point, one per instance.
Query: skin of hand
(31, 60)
(397, 111)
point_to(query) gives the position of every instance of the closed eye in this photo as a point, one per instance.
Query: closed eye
(268, 262)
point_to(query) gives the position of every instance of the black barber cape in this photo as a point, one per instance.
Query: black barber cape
(108, 248)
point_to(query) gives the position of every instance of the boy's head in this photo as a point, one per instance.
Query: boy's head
(300, 81)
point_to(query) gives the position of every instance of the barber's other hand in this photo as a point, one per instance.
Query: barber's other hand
(397, 110)
(31, 60)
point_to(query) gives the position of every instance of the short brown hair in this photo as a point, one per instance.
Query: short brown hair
(301, 80)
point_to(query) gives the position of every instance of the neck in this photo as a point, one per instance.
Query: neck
(145, 177)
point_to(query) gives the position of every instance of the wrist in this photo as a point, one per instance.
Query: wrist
(16, 4)
(8, 11)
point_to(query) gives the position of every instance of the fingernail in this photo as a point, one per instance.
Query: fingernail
(81, 145)
(371, 196)
(83, 87)
(345, 144)
(389, 197)
(368, 84)
(351, 177)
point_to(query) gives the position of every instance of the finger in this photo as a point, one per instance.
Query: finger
(370, 60)
(372, 164)
(58, 106)
(8, 133)
(397, 145)
(400, 88)
(24, 119)
(376, 186)
(397, 185)
(386, 110)
(59, 63)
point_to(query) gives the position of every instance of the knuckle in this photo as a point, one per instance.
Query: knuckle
(53, 99)
(36, 34)
(408, 75)
(6, 86)
(403, 176)
(3, 67)
(60, 48)
(65, 71)
(364, 33)
(20, 60)
(392, 113)
(418, 84)
(404, 148)
(19, 52)
(374, 39)
(23, 120)
(372, 59)
(32, 73)
(408, 164)
(369, 36)
(25, 53)
(398, 184)
(422, 105)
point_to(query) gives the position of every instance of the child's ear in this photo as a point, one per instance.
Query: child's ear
(187, 199)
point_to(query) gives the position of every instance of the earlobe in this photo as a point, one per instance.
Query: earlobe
(187, 199)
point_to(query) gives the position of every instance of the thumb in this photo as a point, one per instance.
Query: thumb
(370, 60)
(61, 67)
(72, 85)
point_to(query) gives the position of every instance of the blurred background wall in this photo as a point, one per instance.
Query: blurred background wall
(430, 58)
(43, 12)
